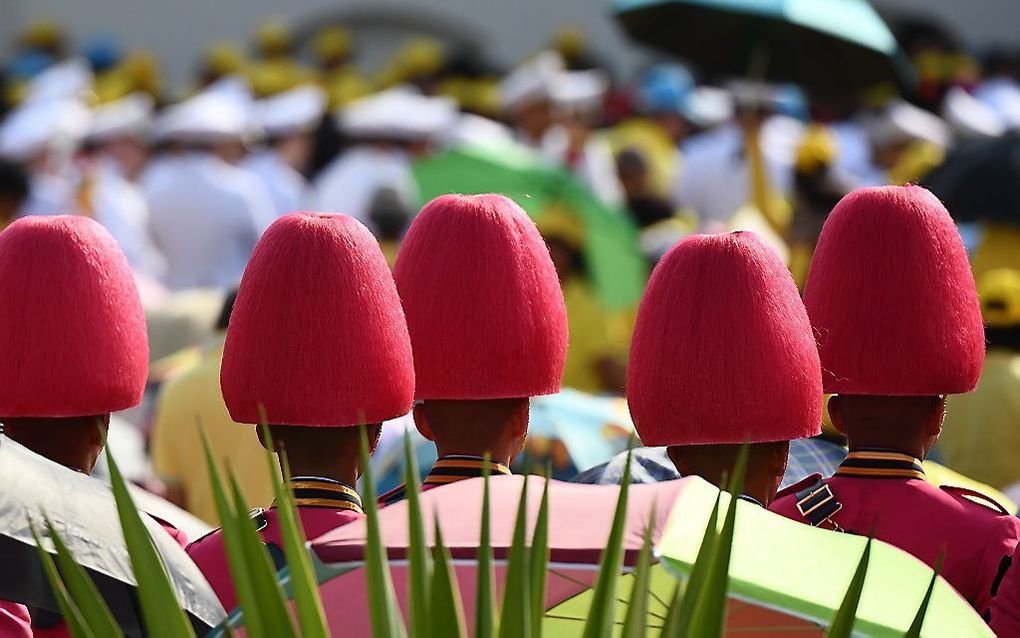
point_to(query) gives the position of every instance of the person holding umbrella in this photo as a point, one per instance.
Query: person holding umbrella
(488, 326)
(893, 302)
(69, 297)
(723, 355)
(317, 349)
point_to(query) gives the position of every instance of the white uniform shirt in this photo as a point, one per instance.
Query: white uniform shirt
(350, 182)
(206, 217)
(120, 206)
(289, 189)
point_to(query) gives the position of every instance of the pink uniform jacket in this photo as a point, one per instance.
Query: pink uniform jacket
(1006, 604)
(449, 469)
(323, 504)
(886, 492)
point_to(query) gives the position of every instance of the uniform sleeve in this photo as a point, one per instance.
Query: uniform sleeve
(996, 568)
(1005, 610)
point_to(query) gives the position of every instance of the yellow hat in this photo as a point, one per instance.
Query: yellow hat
(143, 69)
(999, 290)
(570, 41)
(344, 86)
(816, 150)
(273, 37)
(44, 33)
(419, 56)
(223, 58)
(559, 223)
(332, 43)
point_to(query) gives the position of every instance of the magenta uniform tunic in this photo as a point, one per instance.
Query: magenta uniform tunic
(323, 504)
(885, 491)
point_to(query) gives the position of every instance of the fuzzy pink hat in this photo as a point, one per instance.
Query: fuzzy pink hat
(892, 298)
(722, 349)
(317, 336)
(484, 306)
(72, 331)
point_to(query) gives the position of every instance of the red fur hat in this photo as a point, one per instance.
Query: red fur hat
(892, 298)
(317, 336)
(72, 331)
(484, 305)
(722, 349)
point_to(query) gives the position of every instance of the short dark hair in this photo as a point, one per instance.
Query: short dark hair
(228, 307)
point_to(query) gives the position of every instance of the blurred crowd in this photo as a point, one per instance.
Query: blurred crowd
(186, 179)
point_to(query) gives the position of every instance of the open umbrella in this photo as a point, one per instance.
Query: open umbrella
(784, 576)
(84, 513)
(574, 548)
(612, 252)
(829, 47)
(980, 181)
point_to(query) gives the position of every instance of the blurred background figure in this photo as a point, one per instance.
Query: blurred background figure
(190, 400)
(597, 352)
(981, 436)
(287, 121)
(207, 213)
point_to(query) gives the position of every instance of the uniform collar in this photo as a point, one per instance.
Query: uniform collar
(457, 467)
(319, 491)
(878, 463)
(449, 469)
(750, 499)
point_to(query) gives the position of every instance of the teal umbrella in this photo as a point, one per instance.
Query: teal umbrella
(612, 252)
(829, 47)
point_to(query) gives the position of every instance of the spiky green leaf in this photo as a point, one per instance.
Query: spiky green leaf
(540, 560)
(679, 619)
(269, 595)
(922, 611)
(82, 590)
(419, 560)
(445, 609)
(163, 615)
(709, 614)
(385, 614)
(307, 602)
(603, 607)
(231, 537)
(635, 623)
(515, 615)
(485, 602)
(672, 626)
(842, 625)
(74, 618)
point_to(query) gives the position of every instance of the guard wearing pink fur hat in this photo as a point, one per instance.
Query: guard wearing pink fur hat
(722, 355)
(72, 339)
(317, 347)
(893, 304)
(488, 326)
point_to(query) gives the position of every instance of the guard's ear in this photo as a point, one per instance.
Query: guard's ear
(421, 422)
(835, 408)
(938, 415)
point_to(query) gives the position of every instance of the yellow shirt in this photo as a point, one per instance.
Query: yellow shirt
(999, 248)
(595, 334)
(981, 436)
(193, 396)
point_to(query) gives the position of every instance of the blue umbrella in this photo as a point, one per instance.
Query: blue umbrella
(830, 47)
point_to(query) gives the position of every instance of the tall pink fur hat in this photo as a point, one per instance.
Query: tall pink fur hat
(723, 351)
(892, 298)
(483, 303)
(72, 331)
(317, 336)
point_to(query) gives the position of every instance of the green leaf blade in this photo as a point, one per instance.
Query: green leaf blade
(485, 601)
(76, 623)
(515, 614)
(842, 625)
(419, 561)
(445, 610)
(82, 590)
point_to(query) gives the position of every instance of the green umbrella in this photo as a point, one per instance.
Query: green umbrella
(829, 47)
(788, 577)
(617, 267)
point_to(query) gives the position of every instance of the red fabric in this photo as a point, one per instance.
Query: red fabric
(72, 333)
(892, 299)
(1006, 604)
(210, 555)
(484, 306)
(723, 350)
(14, 620)
(317, 335)
(921, 519)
